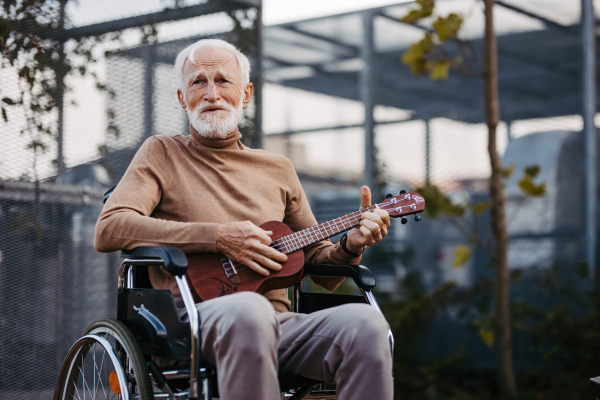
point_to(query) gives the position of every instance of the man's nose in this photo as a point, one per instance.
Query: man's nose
(212, 94)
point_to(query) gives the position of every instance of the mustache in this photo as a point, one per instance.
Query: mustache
(203, 106)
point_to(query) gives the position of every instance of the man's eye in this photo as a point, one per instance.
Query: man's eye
(223, 80)
(196, 82)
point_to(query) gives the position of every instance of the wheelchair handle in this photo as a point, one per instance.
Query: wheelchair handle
(174, 260)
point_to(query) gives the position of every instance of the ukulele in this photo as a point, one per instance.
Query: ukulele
(213, 275)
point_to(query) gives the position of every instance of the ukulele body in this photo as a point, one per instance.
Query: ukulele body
(208, 278)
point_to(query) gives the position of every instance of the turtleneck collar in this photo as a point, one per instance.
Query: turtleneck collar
(231, 142)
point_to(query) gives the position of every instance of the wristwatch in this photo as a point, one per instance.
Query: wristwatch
(343, 243)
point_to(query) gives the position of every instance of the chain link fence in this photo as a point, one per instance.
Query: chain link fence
(52, 281)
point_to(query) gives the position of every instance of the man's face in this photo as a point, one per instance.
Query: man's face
(213, 93)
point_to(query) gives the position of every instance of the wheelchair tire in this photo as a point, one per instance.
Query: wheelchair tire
(106, 363)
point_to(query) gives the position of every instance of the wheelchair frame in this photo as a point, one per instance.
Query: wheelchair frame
(175, 262)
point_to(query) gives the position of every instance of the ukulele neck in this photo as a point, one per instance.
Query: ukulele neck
(301, 239)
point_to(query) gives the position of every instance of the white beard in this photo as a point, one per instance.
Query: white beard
(216, 124)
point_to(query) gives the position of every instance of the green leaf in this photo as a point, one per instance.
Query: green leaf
(462, 254)
(418, 50)
(486, 334)
(438, 204)
(427, 6)
(415, 52)
(447, 27)
(420, 67)
(416, 55)
(529, 188)
(412, 16)
(508, 171)
(439, 70)
(480, 207)
(532, 170)
(425, 10)
(4, 116)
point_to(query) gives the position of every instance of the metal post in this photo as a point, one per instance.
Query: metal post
(60, 85)
(427, 153)
(259, 80)
(148, 93)
(589, 130)
(366, 87)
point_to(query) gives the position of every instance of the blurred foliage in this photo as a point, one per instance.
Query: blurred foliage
(554, 314)
(425, 10)
(439, 204)
(527, 184)
(462, 254)
(429, 55)
(31, 44)
(34, 45)
(464, 215)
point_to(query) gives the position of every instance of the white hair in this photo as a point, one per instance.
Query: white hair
(189, 53)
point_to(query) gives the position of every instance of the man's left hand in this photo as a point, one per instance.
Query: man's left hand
(373, 225)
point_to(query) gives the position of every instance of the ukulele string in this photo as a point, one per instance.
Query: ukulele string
(323, 230)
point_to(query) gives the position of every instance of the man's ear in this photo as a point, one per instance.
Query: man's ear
(181, 99)
(248, 92)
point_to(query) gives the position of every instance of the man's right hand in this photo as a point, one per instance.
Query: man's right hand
(248, 244)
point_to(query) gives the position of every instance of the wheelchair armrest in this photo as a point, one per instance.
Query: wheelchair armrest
(361, 275)
(175, 261)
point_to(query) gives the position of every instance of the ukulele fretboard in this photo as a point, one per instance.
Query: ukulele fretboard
(301, 239)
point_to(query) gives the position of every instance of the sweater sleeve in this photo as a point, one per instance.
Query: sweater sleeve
(126, 220)
(298, 216)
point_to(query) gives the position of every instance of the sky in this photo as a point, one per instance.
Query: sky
(280, 11)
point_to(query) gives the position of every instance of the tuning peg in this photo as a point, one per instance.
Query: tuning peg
(388, 196)
(417, 217)
(404, 220)
(402, 191)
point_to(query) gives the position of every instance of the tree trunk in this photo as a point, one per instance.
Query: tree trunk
(498, 224)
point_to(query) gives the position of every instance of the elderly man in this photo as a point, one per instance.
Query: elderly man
(207, 192)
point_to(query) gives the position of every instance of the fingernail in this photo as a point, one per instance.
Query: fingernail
(284, 258)
(266, 273)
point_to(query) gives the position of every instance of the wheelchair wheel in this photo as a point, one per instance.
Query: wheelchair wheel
(106, 363)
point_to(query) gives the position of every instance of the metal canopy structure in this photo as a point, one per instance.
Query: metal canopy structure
(539, 65)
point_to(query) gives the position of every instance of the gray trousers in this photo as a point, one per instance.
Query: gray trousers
(250, 343)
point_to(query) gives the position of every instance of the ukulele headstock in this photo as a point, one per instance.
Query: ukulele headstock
(402, 205)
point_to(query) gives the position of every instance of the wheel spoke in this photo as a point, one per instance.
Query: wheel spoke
(94, 372)
(114, 354)
(84, 382)
(77, 390)
(100, 375)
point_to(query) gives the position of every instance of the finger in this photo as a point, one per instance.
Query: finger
(254, 266)
(267, 251)
(365, 197)
(384, 231)
(373, 217)
(380, 235)
(267, 262)
(367, 236)
(264, 236)
(384, 215)
(373, 227)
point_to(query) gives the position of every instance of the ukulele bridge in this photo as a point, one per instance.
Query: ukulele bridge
(230, 271)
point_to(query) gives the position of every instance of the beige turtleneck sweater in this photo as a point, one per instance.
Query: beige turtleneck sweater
(177, 189)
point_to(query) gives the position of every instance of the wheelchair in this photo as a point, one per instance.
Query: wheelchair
(115, 358)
